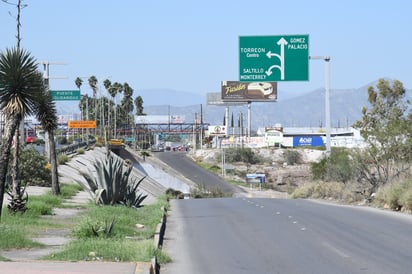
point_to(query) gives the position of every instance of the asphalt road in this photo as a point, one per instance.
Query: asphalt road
(240, 235)
(181, 163)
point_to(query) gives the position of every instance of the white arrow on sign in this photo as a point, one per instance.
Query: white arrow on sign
(282, 42)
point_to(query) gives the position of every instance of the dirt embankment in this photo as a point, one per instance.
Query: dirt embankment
(280, 175)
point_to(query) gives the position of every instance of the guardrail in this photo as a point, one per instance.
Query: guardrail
(70, 149)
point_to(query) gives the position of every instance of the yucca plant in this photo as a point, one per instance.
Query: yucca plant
(109, 185)
(18, 204)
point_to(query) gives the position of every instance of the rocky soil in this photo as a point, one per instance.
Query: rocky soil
(280, 175)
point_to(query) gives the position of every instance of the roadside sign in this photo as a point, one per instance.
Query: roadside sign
(65, 95)
(274, 58)
(253, 178)
(130, 139)
(81, 124)
(217, 130)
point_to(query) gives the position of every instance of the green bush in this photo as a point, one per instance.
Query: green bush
(33, 168)
(62, 159)
(246, 155)
(174, 194)
(203, 192)
(338, 167)
(318, 170)
(292, 157)
(62, 140)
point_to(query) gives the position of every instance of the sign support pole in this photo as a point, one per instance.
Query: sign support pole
(249, 118)
(327, 99)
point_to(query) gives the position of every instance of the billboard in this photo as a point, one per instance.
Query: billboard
(312, 141)
(217, 130)
(235, 91)
(159, 119)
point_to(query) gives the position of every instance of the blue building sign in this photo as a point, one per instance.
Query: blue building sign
(311, 141)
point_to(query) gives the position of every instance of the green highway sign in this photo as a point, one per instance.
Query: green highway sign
(274, 58)
(65, 95)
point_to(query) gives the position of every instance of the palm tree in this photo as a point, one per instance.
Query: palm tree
(116, 88)
(93, 85)
(47, 116)
(139, 105)
(20, 86)
(108, 86)
(127, 102)
(78, 82)
(83, 102)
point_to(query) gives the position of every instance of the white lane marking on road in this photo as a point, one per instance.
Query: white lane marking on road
(334, 249)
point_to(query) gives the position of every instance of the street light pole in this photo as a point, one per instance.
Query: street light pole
(327, 99)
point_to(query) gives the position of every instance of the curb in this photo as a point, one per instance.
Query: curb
(158, 241)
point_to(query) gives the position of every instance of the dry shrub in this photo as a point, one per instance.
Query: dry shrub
(396, 196)
(320, 190)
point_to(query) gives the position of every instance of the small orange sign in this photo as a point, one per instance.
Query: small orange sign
(82, 124)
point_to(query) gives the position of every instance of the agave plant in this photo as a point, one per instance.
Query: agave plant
(110, 184)
(132, 197)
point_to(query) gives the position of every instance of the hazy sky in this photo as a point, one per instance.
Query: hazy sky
(193, 45)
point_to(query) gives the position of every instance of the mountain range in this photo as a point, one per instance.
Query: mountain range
(307, 110)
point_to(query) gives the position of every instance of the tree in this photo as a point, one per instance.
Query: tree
(93, 85)
(127, 102)
(17, 203)
(47, 115)
(20, 87)
(78, 82)
(116, 88)
(108, 86)
(139, 105)
(388, 131)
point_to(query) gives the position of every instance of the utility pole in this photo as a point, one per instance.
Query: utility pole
(327, 99)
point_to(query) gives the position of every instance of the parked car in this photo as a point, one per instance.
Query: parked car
(31, 139)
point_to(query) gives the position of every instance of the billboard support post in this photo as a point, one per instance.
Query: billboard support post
(249, 118)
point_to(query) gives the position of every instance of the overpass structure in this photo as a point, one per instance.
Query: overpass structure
(171, 128)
